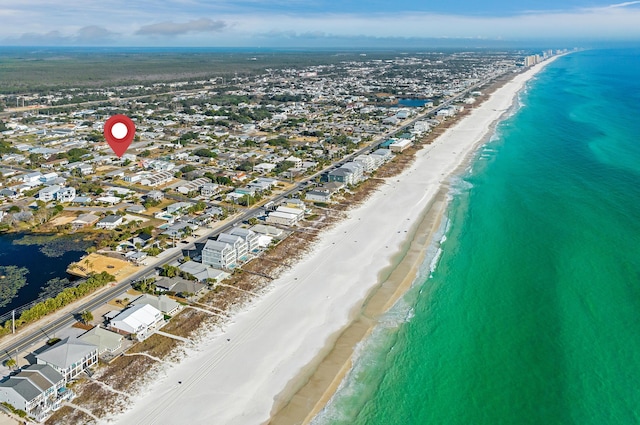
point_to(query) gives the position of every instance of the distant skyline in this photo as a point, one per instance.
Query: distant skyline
(319, 23)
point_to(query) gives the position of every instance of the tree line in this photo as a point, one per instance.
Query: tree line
(66, 297)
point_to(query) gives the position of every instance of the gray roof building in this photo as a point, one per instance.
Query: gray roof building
(202, 272)
(70, 357)
(34, 389)
(163, 303)
(105, 340)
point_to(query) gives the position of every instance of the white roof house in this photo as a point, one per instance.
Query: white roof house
(369, 162)
(297, 162)
(140, 320)
(209, 189)
(264, 167)
(110, 222)
(277, 217)
(288, 210)
(31, 177)
(400, 145)
(318, 196)
(263, 229)
(109, 199)
(357, 169)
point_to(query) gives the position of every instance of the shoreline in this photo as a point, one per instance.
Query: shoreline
(235, 376)
(333, 365)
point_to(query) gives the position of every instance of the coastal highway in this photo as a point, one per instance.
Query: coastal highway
(37, 336)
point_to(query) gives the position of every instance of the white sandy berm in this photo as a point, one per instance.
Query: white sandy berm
(236, 381)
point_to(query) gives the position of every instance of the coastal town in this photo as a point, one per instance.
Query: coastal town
(228, 182)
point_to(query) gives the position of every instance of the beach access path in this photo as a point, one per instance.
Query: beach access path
(235, 374)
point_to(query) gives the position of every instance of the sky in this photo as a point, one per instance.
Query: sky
(315, 23)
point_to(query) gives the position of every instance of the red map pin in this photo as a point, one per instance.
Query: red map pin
(119, 131)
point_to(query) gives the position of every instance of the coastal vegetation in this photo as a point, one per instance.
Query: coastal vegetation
(54, 245)
(12, 278)
(53, 287)
(67, 296)
(54, 69)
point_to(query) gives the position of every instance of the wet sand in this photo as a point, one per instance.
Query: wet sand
(309, 392)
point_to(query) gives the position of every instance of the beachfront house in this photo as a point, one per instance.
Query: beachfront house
(421, 126)
(368, 162)
(163, 303)
(342, 175)
(179, 286)
(107, 342)
(319, 195)
(384, 154)
(357, 171)
(201, 272)
(218, 254)
(36, 389)
(249, 236)
(285, 219)
(400, 145)
(298, 213)
(238, 244)
(70, 357)
(140, 321)
(294, 203)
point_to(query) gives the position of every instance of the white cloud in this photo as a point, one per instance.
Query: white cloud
(92, 34)
(122, 24)
(609, 23)
(169, 28)
(625, 4)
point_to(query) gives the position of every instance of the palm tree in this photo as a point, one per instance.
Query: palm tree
(10, 363)
(86, 317)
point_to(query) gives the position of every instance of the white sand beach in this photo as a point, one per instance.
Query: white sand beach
(234, 377)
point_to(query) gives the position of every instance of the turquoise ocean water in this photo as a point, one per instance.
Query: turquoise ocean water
(530, 313)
